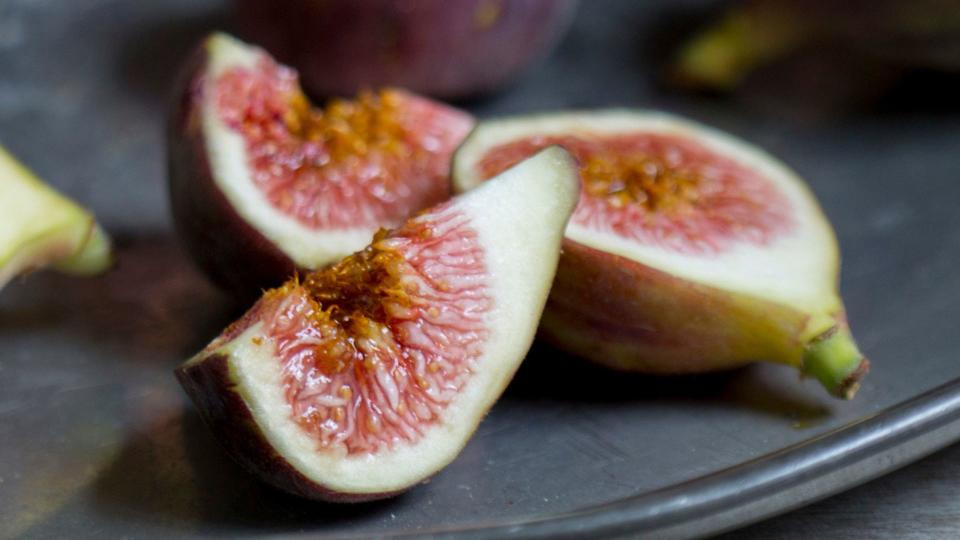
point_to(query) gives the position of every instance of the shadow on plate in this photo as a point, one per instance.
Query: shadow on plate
(151, 303)
(549, 374)
(174, 475)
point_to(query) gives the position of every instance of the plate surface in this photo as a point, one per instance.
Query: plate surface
(98, 439)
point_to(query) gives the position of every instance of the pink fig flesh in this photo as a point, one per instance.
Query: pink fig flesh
(359, 380)
(262, 183)
(689, 250)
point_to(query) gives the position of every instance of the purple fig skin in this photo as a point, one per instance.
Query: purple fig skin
(639, 319)
(449, 49)
(211, 389)
(234, 254)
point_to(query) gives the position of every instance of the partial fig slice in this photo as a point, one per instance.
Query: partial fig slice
(262, 183)
(357, 381)
(689, 250)
(40, 227)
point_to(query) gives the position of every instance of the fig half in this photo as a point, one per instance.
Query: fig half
(43, 228)
(689, 250)
(357, 381)
(262, 183)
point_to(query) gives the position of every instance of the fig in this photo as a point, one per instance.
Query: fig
(689, 250)
(357, 381)
(443, 48)
(924, 33)
(261, 183)
(43, 228)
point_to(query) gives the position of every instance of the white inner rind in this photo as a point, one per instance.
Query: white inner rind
(229, 164)
(798, 268)
(519, 218)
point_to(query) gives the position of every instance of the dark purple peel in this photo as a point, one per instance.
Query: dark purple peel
(232, 252)
(223, 409)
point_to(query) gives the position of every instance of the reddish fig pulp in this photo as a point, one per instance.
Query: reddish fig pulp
(263, 183)
(361, 379)
(661, 189)
(689, 250)
(369, 327)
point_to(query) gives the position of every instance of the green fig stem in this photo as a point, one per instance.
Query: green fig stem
(723, 55)
(834, 359)
(93, 256)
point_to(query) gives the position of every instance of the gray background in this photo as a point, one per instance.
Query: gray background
(98, 439)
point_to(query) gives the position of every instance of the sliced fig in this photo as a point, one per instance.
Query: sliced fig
(43, 228)
(689, 250)
(359, 380)
(262, 183)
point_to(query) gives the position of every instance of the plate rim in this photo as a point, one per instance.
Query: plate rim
(757, 489)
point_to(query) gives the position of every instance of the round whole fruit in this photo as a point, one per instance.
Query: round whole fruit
(357, 381)
(443, 48)
(40, 227)
(689, 250)
(262, 183)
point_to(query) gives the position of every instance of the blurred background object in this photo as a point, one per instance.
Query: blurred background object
(443, 48)
(753, 33)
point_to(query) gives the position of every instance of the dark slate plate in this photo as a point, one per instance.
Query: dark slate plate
(98, 439)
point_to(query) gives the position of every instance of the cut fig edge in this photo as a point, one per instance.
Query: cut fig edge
(519, 218)
(743, 268)
(227, 156)
(798, 269)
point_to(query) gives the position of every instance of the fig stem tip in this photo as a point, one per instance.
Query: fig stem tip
(834, 359)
